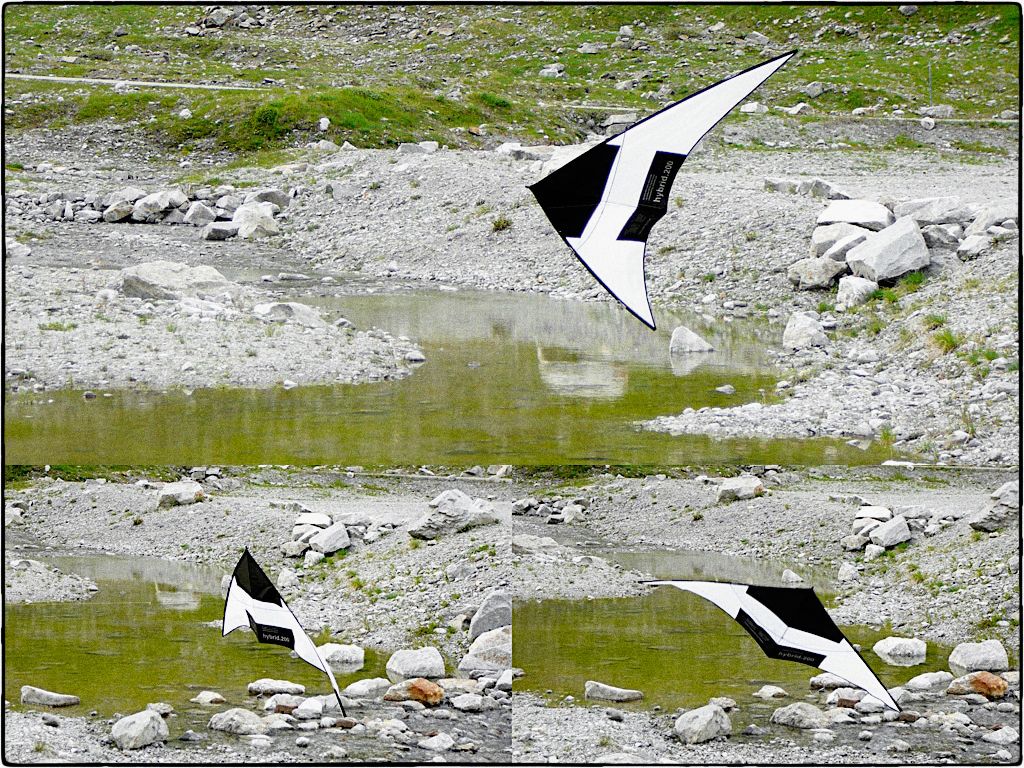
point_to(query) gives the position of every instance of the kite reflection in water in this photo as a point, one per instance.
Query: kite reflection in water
(790, 623)
(605, 202)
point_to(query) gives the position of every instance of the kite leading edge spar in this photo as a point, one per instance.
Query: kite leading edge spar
(605, 202)
(790, 623)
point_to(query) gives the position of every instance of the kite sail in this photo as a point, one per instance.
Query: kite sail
(790, 623)
(253, 601)
(605, 202)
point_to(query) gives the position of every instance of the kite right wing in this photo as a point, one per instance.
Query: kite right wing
(605, 202)
(790, 623)
(253, 601)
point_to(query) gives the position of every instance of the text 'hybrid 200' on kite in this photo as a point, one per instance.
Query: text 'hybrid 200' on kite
(790, 623)
(605, 202)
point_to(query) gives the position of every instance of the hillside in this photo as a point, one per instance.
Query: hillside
(472, 76)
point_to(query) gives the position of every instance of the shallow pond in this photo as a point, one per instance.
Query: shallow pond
(509, 378)
(677, 648)
(143, 638)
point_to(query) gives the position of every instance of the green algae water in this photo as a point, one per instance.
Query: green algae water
(677, 648)
(509, 378)
(145, 637)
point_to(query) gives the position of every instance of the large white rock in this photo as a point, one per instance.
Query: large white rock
(901, 651)
(420, 662)
(199, 214)
(770, 692)
(993, 213)
(181, 492)
(814, 272)
(973, 246)
(800, 715)
(491, 652)
(340, 656)
(255, 220)
(494, 612)
(826, 236)
(370, 688)
(854, 291)
(124, 195)
(171, 281)
(139, 730)
(453, 512)
(929, 681)
(152, 207)
(738, 488)
(331, 539)
(32, 695)
(934, 210)
(891, 532)
(890, 253)
(268, 686)
(988, 656)
(863, 213)
(703, 724)
(602, 692)
(840, 248)
(684, 340)
(803, 331)
(289, 312)
(238, 721)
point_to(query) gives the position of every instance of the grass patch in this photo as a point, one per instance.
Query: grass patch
(57, 326)
(946, 340)
(931, 322)
(501, 223)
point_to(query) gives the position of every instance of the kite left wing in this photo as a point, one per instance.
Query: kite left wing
(605, 202)
(253, 601)
(790, 623)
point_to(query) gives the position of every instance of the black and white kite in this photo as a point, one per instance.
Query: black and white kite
(605, 202)
(253, 601)
(790, 623)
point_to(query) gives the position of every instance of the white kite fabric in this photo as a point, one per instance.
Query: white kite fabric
(631, 176)
(253, 601)
(792, 624)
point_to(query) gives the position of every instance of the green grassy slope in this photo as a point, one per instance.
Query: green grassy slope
(381, 89)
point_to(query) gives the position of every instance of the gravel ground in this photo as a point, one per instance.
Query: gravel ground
(576, 734)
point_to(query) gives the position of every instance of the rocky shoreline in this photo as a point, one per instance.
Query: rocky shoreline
(423, 214)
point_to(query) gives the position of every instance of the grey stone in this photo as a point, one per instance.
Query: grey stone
(32, 695)
(803, 331)
(684, 340)
(410, 663)
(494, 612)
(854, 291)
(490, 652)
(238, 721)
(800, 715)
(702, 724)
(890, 253)
(739, 488)
(179, 493)
(453, 512)
(219, 230)
(330, 540)
(289, 312)
(891, 532)
(139, 730)
(988, 656)
(170, 280)
(602, 692)
(815, 272)
(862, 213)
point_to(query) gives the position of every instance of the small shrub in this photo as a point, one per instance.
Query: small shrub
(57, 326)
(709, 277)
(501, 223)
(931, 322)
(946, 340)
